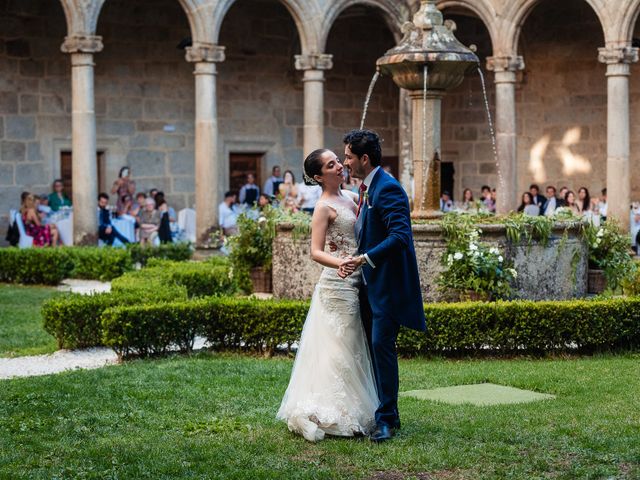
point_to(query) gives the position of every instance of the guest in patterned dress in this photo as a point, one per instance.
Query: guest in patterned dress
(43, 235)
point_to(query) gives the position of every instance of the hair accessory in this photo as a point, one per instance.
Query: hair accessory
(307, 179)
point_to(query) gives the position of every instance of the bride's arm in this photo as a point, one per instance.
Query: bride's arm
(319, 226)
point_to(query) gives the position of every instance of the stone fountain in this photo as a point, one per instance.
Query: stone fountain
(427, 62)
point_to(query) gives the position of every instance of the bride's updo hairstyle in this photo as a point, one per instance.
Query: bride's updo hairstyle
(313, 166)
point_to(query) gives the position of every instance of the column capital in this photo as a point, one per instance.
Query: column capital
(82, 44)
(618, 55)
(205, 52)
(505, 63)
(314, 61)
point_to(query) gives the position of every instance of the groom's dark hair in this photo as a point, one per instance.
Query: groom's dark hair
(363, 142)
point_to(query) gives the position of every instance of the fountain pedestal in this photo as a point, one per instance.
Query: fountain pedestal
(426, 159)
(428, 61)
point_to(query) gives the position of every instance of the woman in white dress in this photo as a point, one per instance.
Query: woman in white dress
(332, 389)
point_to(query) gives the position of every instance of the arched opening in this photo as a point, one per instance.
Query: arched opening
(467, 153)
(355, 51)
(35, 99)
(260, 93)
(144, 94)
(634, 114)
(562, 99)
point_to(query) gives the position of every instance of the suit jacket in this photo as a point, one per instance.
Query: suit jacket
(384, 234)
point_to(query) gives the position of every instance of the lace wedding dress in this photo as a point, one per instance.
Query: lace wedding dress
(332, 389)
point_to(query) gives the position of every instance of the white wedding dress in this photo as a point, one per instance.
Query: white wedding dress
(332, 389)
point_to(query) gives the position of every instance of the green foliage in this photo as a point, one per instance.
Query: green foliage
(609, 251)
(452, 329)
(528, 227)
(76, 320)
(168, 251)
(253, 245)
(49, 266)
(472, 265)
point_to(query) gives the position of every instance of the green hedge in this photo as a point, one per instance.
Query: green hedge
(497, 328)
(76, 320)
(49, 266)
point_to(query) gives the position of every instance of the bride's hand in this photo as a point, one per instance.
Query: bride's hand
(347, 267)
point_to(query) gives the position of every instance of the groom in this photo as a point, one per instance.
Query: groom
(391, 295)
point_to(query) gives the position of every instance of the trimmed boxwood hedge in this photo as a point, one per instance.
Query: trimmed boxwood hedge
(76, 320)
(49, 266)
(497, 328)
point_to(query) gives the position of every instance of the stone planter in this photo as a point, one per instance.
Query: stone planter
(261, 280)
(557, 271)
(596, 281)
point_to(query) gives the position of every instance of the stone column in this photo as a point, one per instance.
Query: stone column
(618, 174)
(505, 70)
(426, 143)
(207, 152)
(313, 66)
(83, 120)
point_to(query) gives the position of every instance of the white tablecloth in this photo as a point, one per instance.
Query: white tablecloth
(65, 230)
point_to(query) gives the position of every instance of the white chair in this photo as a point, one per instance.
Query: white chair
(25, 240)
(187, 223)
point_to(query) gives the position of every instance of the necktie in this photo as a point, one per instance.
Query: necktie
(363, 189)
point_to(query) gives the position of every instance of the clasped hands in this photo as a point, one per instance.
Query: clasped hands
(349, 265)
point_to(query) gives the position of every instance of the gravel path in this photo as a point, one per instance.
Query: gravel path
(64, 360)
(57, 362)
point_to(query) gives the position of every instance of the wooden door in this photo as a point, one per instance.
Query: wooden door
(66, 167)
(240, 165)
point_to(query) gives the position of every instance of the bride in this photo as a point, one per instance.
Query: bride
(332, 389)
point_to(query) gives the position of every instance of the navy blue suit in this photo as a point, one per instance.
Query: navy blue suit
(391, 296)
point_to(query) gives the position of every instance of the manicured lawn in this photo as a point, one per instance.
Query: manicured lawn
(212, 416)
(21, 331)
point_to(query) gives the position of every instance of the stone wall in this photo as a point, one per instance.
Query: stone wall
(355, 52)
(557, 271)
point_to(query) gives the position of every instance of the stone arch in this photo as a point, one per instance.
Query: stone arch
(393, 12)
(626, 23)
(481, 8)
(516, 16)
(302, 12)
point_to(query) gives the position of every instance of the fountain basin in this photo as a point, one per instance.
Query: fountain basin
(557, 271)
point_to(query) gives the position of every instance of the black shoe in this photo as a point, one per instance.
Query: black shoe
(396, 424)
(381, 434)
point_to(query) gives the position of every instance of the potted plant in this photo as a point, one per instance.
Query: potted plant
(250, 251)
(609, 259)
(474, 270)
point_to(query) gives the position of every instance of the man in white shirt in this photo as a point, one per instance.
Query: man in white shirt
(552, 202)
(308, 196)
(227, 216)
(270, 187)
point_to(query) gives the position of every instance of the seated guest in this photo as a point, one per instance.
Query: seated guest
(308, 196)
(487, 199)
(153, 192)
(149, 219)
(227, 216)
(552, 202)
(43, 235)
(164, 230)
(58, 198)
(272, 184)
(446, 205)
(584, 200)
(107, 232)
(126, 206)
(249, 192)
(159, 198)
(563, 193)
(570, 203)
(538, 199)
(602, 205)
(527, 206)
(138, 204)
(467, 199)
(44, 210)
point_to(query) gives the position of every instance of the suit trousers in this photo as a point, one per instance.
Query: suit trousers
(382, 333)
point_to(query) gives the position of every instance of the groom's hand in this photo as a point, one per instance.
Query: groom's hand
(347, 267)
